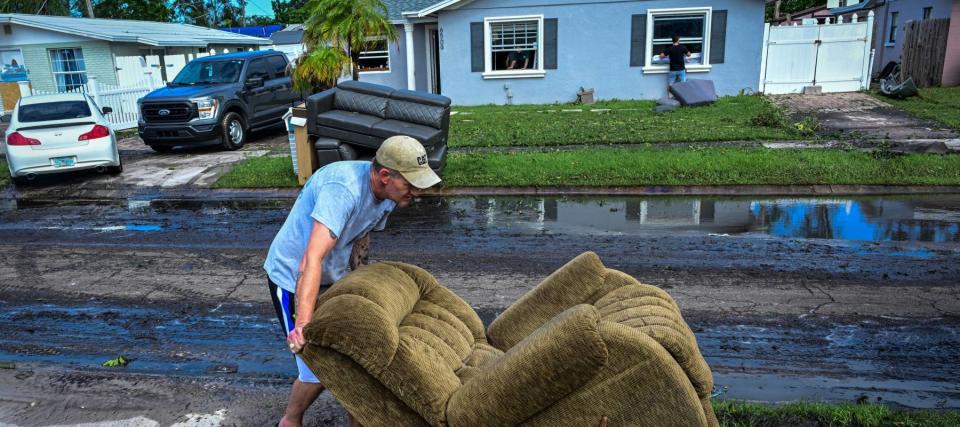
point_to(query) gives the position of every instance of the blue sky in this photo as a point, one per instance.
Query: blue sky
(259, 7)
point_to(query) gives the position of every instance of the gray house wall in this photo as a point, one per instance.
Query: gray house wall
(909, 10)
(593, 50)
(397, 76)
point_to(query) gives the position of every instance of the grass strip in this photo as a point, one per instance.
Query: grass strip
(4, 173)
(740, 414)
(706, 166)
(655, 166)
(940, 104)
(260, 172)
(627, 122)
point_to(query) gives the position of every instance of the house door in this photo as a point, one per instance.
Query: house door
(433, 58)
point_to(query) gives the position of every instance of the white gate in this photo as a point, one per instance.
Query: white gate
(123, 101)
(137, 70)
(174, 64)
(837, 57)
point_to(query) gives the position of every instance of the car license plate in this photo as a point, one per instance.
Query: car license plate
(61, 162)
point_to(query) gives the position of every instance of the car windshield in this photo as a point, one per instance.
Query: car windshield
(209, 72)
(46, 111)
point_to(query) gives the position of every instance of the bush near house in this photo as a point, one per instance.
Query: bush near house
(940, 104)
(733, 118)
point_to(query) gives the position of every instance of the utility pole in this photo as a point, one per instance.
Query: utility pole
(90, 8)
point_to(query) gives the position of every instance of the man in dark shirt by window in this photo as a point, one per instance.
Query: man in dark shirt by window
(678, 54)
(517, 60)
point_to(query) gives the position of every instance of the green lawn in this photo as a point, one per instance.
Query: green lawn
(940, 104)
(4, 173)
(655, 166)
(628, 122)
(260, 172)
(731, 413)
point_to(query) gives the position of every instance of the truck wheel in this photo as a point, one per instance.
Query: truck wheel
(234, 131)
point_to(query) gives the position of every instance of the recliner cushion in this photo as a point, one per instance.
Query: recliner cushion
(427, 135)
(428, 115)
(352, 121)
(360, 102)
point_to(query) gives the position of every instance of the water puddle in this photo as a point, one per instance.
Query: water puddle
(929, 219)
(917, 219)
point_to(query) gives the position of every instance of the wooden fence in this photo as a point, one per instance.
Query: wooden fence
(924, 50)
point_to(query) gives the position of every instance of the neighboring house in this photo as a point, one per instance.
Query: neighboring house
(461, 47)
(889, 21)
(951, 64)
(58, 53)
(264, 31)
(289, 41)
(820, 13)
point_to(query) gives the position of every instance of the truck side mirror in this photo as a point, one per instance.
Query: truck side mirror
(254, 82)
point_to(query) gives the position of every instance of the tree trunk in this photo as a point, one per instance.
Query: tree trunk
(354, 62)
(776, 10)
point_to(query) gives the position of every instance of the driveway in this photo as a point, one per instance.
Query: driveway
(145, 169)
(857, 115)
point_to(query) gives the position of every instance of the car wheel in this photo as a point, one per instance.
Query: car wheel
(115, 170)
(161, 148)
(19, 180)
(234, 131)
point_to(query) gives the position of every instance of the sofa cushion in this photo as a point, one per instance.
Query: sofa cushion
(424, 114)
(420, 97)
(360, 102)
(352, 121)
(367, 88)
(427, 135)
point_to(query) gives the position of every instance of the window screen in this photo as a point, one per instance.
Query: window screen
(513, 45)
(690, 29)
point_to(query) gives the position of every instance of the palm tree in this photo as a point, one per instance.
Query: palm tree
(335, 33)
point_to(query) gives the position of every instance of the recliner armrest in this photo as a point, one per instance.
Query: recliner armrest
(316, 104)
(555, 360)
(577, 282)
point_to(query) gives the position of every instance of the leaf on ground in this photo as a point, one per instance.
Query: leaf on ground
(118, 361)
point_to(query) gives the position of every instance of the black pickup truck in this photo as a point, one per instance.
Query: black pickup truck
(216, 100)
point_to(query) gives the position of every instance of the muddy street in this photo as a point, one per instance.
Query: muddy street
(835, 299)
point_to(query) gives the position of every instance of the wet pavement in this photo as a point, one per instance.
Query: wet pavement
(840, 299)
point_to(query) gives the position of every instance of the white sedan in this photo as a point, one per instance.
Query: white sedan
(59, 133)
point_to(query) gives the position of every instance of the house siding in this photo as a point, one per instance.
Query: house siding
(909, 10)
(593, 50)
(951, 65)
(97, 56)
(397, 76)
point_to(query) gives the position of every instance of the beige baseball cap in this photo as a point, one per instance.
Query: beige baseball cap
(408, 157)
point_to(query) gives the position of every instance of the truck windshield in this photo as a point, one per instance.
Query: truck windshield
(209, 72)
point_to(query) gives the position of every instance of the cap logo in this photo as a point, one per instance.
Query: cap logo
(422, 160)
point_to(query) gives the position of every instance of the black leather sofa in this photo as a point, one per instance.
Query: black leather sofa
(361, 115)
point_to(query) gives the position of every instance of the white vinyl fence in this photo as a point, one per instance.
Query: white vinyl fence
(835, 56)
(123, 100)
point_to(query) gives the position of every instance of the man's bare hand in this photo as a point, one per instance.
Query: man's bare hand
(295, 340)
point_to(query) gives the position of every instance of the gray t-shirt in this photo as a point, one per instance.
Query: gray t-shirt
(338, 196)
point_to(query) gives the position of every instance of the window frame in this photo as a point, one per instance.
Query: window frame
(387, 51)
(53, 69)
(705, 66)
(489, 72)
(892, 29)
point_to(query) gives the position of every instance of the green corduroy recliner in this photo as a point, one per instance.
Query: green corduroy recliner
(398, 349)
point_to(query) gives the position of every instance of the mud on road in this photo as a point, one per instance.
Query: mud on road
(181, 291)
